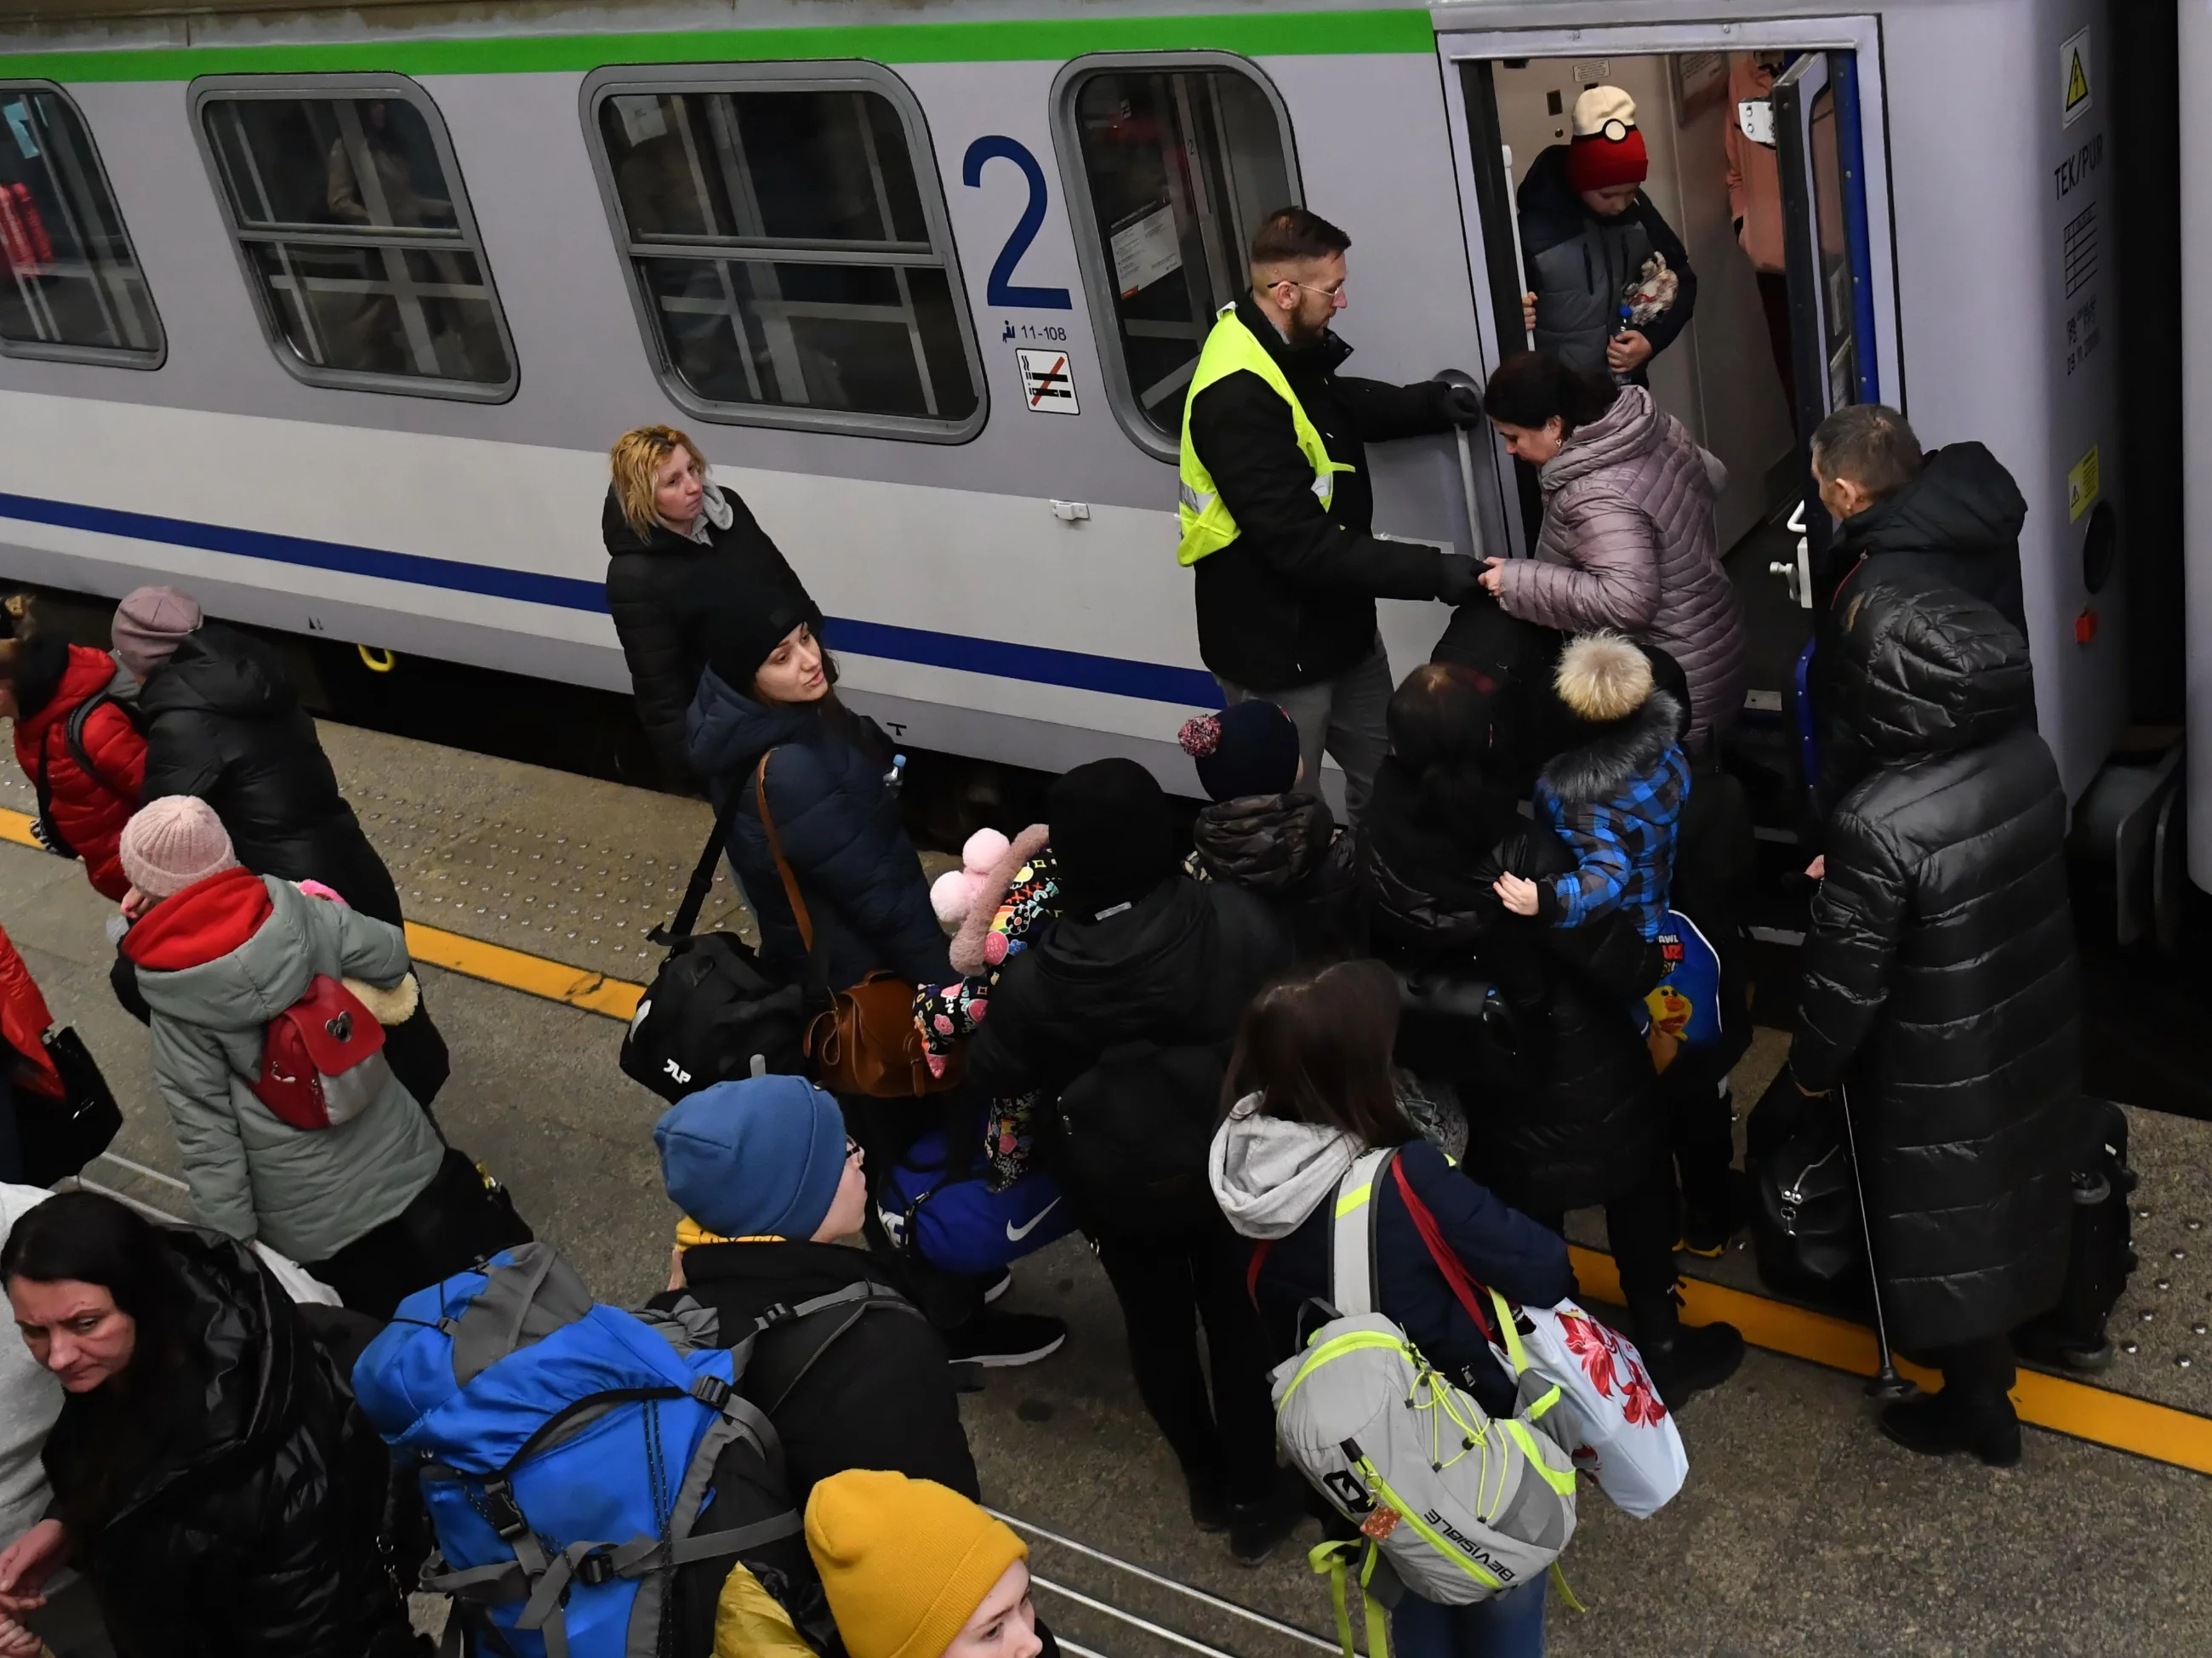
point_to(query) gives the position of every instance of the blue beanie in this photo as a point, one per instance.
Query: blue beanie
(757, 1158)
(1249, 748)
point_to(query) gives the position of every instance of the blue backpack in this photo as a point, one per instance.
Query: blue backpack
(955, 1222)
(574, 1461)
(1685, 1003)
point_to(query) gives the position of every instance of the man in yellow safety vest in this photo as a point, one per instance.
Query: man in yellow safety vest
(1277, 508)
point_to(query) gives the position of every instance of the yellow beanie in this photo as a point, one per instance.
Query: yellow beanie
(904, 1562)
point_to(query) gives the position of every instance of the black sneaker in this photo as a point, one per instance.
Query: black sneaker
(999, 1285)
(1683, 1359)
(1713, 1212)
(1001, 1340)
(1930, 1427)
(1257, 1530)
(1209, 1505)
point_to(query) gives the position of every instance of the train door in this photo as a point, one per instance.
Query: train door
(1767, 163)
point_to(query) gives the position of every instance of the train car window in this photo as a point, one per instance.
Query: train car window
(1174, 161)
(355, 235)
(787, 246)
(69, 282)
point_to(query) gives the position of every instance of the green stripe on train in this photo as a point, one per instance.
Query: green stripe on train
(1258, 33)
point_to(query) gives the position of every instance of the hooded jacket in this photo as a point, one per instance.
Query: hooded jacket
(216, 963)
(1616, 799)
(1176, 968)
(882, 1396)
(249, 1530)
(1570, 1115)
(670, 598)
(1939, 980)
(24, 1020)
(1580, 263)
(1627, 542)
(1286, 850)
(89, 808)
(222, 722)
(857, 872)
(1959, 522)
(1276, 1182)
(1291, 600)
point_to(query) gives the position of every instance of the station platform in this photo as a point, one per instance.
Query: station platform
(1802, 1530)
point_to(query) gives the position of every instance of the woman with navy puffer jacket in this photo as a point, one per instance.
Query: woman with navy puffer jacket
(767, 692)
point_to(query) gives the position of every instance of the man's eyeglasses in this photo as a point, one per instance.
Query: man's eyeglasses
(1332, 291)
(852, 1148)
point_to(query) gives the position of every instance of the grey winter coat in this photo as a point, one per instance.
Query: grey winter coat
(306, 1193)
(1628, 543)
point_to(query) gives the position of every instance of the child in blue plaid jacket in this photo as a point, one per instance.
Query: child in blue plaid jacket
(1615, 798)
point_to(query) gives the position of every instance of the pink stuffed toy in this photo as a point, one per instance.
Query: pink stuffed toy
(953, 894)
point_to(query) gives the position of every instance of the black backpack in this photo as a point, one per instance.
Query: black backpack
(1130, 1137)
(711, 1007)
(43, 829)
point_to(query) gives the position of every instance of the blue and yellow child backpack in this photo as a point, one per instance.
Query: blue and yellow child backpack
(1685, 1005)
(576, 1462)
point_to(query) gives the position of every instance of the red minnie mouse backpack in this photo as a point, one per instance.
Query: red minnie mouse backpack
(322, 1058)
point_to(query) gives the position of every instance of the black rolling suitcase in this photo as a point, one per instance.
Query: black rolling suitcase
(2101, 1254)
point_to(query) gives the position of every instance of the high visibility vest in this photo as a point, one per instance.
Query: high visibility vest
(1231, 347)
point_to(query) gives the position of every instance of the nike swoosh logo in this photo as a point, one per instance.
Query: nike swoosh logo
(1016, 1234)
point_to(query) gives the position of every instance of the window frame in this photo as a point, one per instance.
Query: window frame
(110, 357)
(304, 86)
(1090, 252)
(829, 74)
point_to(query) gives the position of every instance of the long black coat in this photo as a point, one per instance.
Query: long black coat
(1291, 600)
(1562, 1103)
(839, 826)
(1940, 983)
(249, 1531)
(222, 722)
(670, 598)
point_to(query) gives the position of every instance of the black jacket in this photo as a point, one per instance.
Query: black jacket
(223, 721)
(881, 1396)
(670, 598)
(1291, 600)
(1503, 1250)
(1286, 850)
(246, 1529)
(859, 874)
(1563, 1100)
(1958, 522)
(1940, 982)
(1580, 263)
(1176, 968)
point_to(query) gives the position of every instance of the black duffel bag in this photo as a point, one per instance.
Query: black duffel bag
(1806, 1235)
(711, 1007)
(59, 1137)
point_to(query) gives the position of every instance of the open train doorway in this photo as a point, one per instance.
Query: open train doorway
(1768, 184)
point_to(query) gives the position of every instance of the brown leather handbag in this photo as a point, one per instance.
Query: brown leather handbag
(865, 1040)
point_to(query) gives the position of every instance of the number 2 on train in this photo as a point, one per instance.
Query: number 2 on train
(1000, 289)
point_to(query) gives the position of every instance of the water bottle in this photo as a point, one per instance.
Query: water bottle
(896, 774)
(1627, 315)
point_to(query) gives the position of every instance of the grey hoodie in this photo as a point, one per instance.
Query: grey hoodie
(1268, 1175)
(308, 1192)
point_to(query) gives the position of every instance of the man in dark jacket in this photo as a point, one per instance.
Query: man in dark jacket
(1278, 508)
(1939, 981)
(1139, 953)
(1599, 256)
(684, 562)
(1955, 514)
(770, 1186)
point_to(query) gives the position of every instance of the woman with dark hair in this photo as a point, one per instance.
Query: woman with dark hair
(1627, 541)
(209, 1474)
(1534, 1021)
(1310, 1088)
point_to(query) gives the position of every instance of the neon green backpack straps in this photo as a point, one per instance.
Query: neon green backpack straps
(1232, 349)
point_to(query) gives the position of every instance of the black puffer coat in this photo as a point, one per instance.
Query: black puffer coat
(222, 722)
(1286, 850)
(670, 597)
(1562, 1099)
(839, 826)
(1940, 982)
(248, 1530)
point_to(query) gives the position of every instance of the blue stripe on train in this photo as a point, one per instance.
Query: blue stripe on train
(1041, 665)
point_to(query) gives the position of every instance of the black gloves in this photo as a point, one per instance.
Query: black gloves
(1458, 582)
(1462, 405)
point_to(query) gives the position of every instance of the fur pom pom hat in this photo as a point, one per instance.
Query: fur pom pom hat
(1249, 748)
(1602, 677)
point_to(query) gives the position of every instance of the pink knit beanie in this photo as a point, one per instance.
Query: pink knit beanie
(148, 624)
(171, 842)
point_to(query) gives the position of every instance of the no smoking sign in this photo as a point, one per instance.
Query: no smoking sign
(1048, 382)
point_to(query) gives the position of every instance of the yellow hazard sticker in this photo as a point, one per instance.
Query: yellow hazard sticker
(2081, 485)
(2074, 97)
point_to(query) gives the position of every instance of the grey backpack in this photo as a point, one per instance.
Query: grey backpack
(1460, 1505)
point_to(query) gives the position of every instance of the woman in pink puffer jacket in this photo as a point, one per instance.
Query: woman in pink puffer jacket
(1627, 541)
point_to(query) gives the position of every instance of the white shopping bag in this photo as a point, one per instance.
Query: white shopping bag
(303, 1286)
(1610, 1418)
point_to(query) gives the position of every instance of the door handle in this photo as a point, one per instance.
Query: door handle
(1460, 380)
(1797, 573)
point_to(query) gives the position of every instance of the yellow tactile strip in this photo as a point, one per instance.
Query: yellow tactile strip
(2118, 1421)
